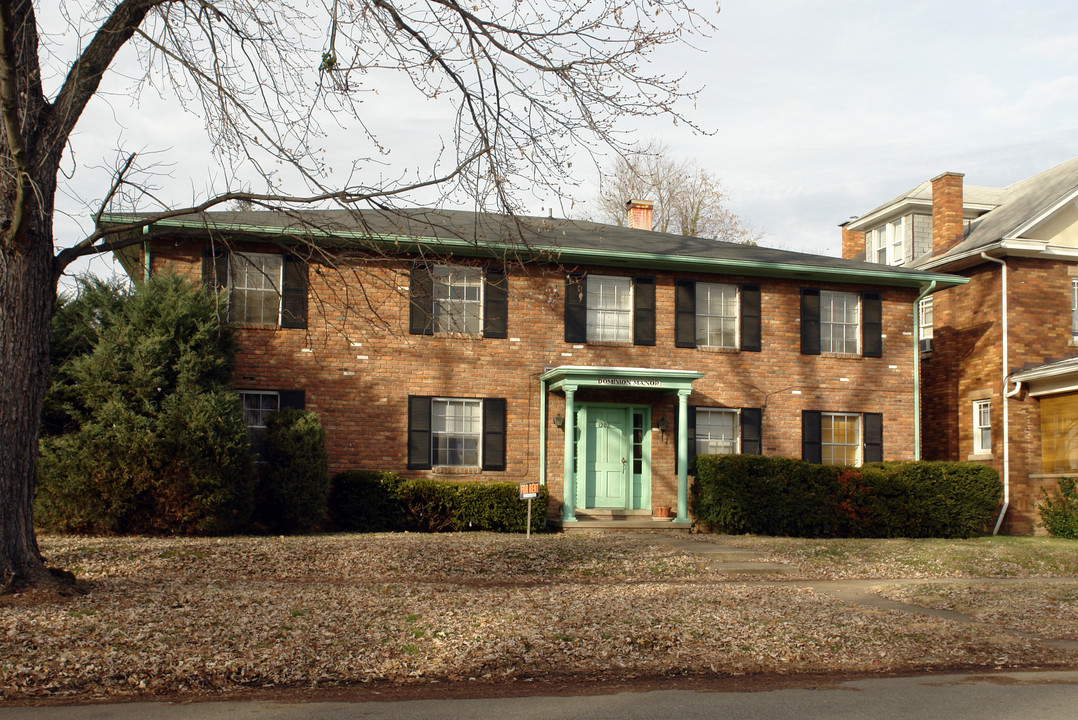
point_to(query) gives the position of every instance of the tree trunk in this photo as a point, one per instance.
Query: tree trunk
(27, 296)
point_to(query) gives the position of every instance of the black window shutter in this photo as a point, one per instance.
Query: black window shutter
(292, 399)
(811, 441)
(873, 437)
(643, 311)
(418, 432)
(494, 434)
(495, 304)
(421, 301)
(750, 431)
(685, 313)
(576, 308)
(294, 294)
(871, 325)
(750, 318)
(214, 268)
(810, 321)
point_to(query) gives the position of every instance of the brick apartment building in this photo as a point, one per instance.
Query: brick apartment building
(596, 359)
(999, 365)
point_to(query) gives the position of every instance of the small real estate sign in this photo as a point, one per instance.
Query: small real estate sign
(529, 491)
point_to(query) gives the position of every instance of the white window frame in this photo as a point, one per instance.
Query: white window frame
(609, 308)
(461, 430)
(982, 427)
(252, 275)
(458, 299)
(924, 318)
(706, 442)
(886, 244)
(255, 418)
(1074, 308)
(828, 327)
(727, 319)
(827, 451)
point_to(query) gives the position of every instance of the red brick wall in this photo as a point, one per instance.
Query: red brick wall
(358, 367)
(853, 243)
(967, 361)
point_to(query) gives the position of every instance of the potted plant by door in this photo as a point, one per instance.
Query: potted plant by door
(662, 512)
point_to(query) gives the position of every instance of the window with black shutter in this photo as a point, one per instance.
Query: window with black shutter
(643, 311)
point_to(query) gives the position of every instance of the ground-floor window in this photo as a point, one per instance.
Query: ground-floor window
(456, 432)
(716, 431)
(1059, 433)
(841, 438)
(257, 405)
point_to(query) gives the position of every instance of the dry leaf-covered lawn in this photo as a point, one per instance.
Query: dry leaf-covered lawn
(168, 616)
(868, 559)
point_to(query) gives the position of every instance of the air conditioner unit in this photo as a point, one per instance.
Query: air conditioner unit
(926, 344)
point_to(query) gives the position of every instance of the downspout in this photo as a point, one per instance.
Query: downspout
(542, 432)
(146, 255)
(917, 369)
(1006, 395)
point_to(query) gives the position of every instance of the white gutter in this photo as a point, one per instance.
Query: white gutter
(1006, 395)
(917, 369)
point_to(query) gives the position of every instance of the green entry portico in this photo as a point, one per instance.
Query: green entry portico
(568, 379)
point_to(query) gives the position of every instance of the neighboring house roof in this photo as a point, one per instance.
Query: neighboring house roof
(1024, 203)
(555, 239)
(976, 196)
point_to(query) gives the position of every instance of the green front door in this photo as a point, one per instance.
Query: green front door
(607, 461)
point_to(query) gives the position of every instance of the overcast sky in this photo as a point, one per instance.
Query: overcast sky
(818, 110)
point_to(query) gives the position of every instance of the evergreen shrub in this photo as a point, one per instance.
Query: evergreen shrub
(293, 481)
(1059, 511)
(366, 501)
(142, 429)
(783, 496)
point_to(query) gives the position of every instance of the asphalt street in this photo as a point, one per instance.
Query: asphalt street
(988, 696)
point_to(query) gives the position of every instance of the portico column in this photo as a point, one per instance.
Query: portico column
(683, 455)
(568, 505)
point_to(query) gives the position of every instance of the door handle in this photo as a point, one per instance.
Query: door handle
(623, 461)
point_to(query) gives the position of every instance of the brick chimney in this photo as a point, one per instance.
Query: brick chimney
(948, 228)
(853, 242)
(639, 214)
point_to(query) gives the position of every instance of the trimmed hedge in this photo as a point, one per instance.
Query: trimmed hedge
(365, 501)
(783, 496)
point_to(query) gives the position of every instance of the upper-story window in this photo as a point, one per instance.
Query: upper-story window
(458, 299)
(255, 282)
(609, 308)
(267, 289)
(610, 313)
(887, 244)
(841, 322)
(925, 323)
(1074, 307)
(718, 315)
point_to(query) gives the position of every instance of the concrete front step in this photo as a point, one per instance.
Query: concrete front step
(635, 525)
(750, 568)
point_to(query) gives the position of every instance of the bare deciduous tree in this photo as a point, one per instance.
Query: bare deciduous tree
(527, 84)
(689, 200)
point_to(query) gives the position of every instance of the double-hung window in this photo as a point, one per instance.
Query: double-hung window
(887, 243)
(982, 427)
(610, 312)
(1074, 307)
(458, 299)
(448, 432)
(841, 438)
(716, 431)
(268, 289)
(609, 309)
(717, 315)
(841, 322)
(257, 406)
(925, 322)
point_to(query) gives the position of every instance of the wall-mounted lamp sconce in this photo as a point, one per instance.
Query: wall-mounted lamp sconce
(559, 421)
(662, 424)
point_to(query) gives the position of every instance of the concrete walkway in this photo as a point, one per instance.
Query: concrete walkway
(744, 565)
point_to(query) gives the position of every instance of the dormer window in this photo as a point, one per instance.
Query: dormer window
(887, 243)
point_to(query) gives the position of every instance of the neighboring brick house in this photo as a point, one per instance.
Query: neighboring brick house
(999, 378)
(481, 347)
